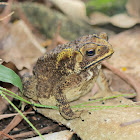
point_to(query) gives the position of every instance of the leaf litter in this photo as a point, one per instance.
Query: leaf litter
(109, 119)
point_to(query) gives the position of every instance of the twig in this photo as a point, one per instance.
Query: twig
(54, 40)
(7, 12)
(33, 133)
(23, 16)
(13, 114)
(1, 19)
(8, 136)
(127, 78)
(17, 119)
(129, 123)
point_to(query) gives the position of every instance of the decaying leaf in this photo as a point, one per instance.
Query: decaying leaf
(127, 51)
(119, 20)
(133, 8)
(47, 20)
(75, 9)
(101, 124)
(124, 21)
(62, 135)
(18, 45)
(98, 18)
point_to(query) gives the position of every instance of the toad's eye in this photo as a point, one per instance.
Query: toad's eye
(90, 52)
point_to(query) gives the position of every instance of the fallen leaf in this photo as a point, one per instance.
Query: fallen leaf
(127, 52)
(74, 9)
(62, 135)
(119, 20)
(98, 18)
(101, 124)
(133, 8)
(18, 45)
(123, 21)
(38, 15)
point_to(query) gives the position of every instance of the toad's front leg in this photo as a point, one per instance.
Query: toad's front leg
(64, 107)
(60, 96)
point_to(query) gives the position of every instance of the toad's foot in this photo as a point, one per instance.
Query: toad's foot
(23, 104)
(68, 114)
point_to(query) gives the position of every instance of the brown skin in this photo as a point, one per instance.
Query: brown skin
(67, 73)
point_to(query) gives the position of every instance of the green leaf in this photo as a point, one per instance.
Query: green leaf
(109, 7)
(9, 76)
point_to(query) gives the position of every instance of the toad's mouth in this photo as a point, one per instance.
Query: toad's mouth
(107, 57)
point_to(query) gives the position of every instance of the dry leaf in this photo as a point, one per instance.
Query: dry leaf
(119, 20)
(127, 51)
(19, 45)
(98, 18)
(62, 135)
(123, 21)
(101, 124)
(74, 9)
(133, 8)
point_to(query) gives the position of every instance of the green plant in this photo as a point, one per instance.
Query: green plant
(9, 76)
(109, 7)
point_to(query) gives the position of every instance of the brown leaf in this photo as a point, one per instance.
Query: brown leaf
(19, 45)
(119, 20)
(62, 135)
(133, 8)
(127, 52)
(74, 9)
(98, 18)
(101, 124)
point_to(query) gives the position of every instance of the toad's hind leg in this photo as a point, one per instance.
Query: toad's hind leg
(29, 88)
(64, 107)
